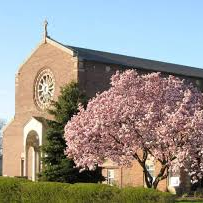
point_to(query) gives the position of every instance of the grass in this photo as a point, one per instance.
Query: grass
(189, 201)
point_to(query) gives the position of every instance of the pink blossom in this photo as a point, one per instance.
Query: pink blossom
(160, 116)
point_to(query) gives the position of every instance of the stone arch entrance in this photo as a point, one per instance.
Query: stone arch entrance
(32, 155)
(30, 159)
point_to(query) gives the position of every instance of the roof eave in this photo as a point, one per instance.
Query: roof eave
(61, 46)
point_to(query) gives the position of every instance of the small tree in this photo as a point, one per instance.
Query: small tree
(140, 115)
(2, 123)
(56, 166)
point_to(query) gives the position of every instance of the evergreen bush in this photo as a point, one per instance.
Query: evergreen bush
(56, 166)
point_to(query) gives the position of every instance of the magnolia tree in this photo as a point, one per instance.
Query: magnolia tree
(140, 115)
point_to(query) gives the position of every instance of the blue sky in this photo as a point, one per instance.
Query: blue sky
(163, 30)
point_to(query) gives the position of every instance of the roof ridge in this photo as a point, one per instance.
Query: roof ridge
(132, 61)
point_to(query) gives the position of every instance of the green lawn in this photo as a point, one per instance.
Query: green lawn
(190, 201)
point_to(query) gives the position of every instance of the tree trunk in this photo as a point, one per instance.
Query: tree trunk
(163, 173)
(148, 178)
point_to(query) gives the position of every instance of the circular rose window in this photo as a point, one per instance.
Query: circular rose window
(44, 88)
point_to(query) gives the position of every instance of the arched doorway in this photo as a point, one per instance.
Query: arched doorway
(32, 140)
(32, 162)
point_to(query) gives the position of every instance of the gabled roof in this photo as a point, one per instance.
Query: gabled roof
(122, 60)
(134, 62)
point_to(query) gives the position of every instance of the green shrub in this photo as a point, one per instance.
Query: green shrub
(90, 193)
(198, 193)
(13, 190)
(144, 195)
(10, 189)
(40, 192)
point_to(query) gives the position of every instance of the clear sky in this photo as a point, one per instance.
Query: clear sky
(166, 30)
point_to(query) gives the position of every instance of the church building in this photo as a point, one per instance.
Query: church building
(52, 65)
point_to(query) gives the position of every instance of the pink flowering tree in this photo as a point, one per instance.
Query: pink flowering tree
(140, 115)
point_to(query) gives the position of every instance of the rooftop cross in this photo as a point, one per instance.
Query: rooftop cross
(45, 30)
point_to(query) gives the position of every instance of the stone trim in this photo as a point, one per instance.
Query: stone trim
(49, 41)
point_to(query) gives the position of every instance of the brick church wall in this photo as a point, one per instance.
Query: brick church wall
(64, 68)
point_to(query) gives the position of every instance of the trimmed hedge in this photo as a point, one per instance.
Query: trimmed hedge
(18, 190)
(144, 195)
